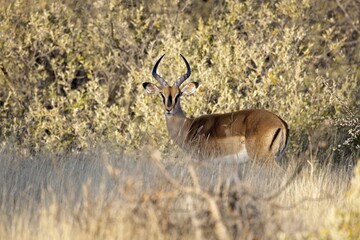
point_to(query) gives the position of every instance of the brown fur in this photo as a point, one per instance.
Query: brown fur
(262, 134)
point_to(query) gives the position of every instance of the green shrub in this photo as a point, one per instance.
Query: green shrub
(71, 73)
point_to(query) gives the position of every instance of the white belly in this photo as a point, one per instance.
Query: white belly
(240, 157)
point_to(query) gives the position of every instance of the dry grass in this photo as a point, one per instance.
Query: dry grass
(99, 194)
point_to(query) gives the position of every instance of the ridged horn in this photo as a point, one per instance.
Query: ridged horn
(186, 75)
(157, 76)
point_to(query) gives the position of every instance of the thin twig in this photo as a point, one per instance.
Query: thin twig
(8, 81)
(275, 194)
(347, 16)
(195, 221)
(301, 202)
(219, 226)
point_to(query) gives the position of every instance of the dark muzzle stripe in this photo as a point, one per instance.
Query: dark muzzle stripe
(169, 103)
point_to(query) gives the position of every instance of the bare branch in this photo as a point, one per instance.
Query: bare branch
(348, 17)
(220, 228)
(8, 81)
(277, 192)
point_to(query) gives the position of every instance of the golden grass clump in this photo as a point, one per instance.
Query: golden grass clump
(100, 194)
(344, 222)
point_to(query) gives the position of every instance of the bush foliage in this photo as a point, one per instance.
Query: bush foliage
(71, 73)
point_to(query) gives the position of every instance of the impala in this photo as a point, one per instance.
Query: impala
(255, 134)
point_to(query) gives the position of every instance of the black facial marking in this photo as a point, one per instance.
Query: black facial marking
(177, 98)
(163, 98)
(275, 136)
(169, 103)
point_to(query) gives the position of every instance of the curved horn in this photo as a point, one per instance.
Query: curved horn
(186, 75)
(157, 76)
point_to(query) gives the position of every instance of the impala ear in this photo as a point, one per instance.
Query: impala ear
(151, 88)
(190, 88)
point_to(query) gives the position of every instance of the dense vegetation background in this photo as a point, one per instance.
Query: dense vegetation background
(71, 77)
(71, 73)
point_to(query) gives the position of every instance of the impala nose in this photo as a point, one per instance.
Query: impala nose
(168, 110)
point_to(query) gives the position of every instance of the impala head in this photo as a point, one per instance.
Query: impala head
(171, 94)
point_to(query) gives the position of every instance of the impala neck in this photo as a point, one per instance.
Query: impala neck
(178, 124)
